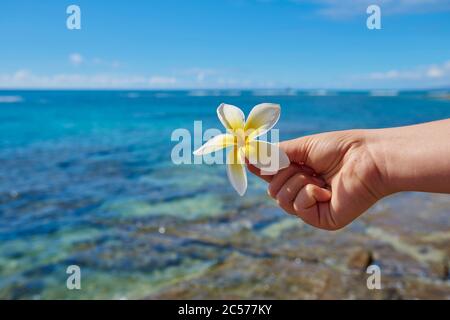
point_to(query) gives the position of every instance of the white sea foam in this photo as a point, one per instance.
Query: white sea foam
(319, 93)
(232, 93)
(383, 93)
(441, 94)
(162, 95)
(133, 95)
(10, 99)
(198, 93)
(274, 92)
(214, 93)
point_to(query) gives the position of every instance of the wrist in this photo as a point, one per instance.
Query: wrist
(379, 146)
(412, 158)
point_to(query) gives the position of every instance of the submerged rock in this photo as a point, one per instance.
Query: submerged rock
(360, 259)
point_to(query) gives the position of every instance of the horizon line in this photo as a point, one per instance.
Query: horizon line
(288, 89)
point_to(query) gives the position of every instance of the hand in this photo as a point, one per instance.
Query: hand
(333, 178)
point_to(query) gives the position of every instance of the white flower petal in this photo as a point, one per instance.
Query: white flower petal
(261, 119)
(236, 171)
(216, 143)
(231, 116)
(266, 156)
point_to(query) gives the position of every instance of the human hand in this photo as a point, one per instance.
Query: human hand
(333, 178)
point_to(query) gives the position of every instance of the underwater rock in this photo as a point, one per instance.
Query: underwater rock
(440, 269)
(360, 259)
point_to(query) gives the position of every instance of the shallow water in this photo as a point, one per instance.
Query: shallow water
(86, 179)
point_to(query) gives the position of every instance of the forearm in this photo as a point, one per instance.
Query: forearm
(413, 158)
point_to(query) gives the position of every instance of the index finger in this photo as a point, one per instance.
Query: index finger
(257, 172)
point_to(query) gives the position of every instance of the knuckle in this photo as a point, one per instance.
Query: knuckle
(271, 191)
(309, 188)
(299, 209)
(299, 204)
(287, 208)
(282, 198)
(284, 192)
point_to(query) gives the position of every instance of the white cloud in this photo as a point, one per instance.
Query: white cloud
(25, 79)
(162, 81)
(435, 71)
(427, 76)
(76, 59)
(200, 74)
(90, 78)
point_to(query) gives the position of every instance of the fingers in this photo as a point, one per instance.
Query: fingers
(280, 179)
(309, 196)
(288, 192)
(296, 151)
(257, 172)
(298, 190)
(286, 195)
(313, 207)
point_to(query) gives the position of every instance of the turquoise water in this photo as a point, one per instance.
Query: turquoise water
(86, 179)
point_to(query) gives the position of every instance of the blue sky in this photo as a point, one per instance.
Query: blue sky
(172, 44)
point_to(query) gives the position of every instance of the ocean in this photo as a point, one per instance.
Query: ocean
(86, 179)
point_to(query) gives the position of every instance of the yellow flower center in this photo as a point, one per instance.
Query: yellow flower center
(241, 137)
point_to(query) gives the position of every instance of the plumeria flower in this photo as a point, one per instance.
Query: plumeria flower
(242, 143)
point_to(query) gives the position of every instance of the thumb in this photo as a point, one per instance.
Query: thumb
(312, 207)
(296, 149)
